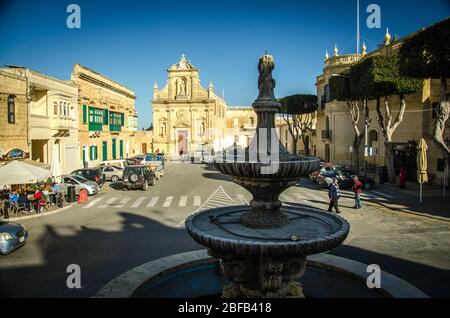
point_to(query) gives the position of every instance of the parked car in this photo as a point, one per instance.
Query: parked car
(133, 161)
(324, 166)
(116, 162)
(138, 177)
(112, 173)
(12, 236)
(201, 156)
(156, 163)
(345, 179)
(138, 158)
(92, 174)
(80, 183)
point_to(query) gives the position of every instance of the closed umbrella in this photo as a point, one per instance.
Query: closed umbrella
(55, 167)
(422, 176)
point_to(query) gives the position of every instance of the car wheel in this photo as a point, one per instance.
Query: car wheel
(114, 178)
(145, 186)
(134, 178)
(125, 188)
(157, 176)
(367, 186)
(153, 182)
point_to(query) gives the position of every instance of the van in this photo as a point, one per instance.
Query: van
(118, 163)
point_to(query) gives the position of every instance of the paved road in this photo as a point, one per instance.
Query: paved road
(118, 230)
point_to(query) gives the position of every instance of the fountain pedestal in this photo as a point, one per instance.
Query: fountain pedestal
(263, 246)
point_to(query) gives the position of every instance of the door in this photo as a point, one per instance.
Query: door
(114, 148)
(182, 142)
(105, 150)
(327, 152)
(144, 148)
(121, 149)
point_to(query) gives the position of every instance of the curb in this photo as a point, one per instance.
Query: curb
(41, 214)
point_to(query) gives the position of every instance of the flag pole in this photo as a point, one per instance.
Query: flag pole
(357, 27)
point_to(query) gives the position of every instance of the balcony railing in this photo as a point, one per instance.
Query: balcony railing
(326, 134)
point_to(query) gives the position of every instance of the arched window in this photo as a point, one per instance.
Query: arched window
(373, 136)
(11, 109)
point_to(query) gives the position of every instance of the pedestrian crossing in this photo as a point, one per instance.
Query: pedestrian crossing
(221, 198)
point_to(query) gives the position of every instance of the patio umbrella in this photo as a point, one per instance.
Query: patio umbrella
(55, 166)
(19, 172)
(422, 176)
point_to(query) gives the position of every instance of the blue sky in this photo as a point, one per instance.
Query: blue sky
(134, 42)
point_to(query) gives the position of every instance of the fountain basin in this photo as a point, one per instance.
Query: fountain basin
(197, 275)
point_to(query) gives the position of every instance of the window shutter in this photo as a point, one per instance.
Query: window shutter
(96, 153)
(84, 114)
(105, 117)
(122, 119)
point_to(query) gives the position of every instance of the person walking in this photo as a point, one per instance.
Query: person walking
(334, 194)
(357, 189)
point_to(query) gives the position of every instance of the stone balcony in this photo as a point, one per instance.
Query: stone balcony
(345, 59)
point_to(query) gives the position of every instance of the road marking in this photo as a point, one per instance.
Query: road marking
(107, 203)
(197, 200)
(301, 197)
(152, 202)
(217, 199)
(242, 199)
(92, 203)
(168, 202)
(183, 201)
(122, 203)
(382, 194)
(138, 202)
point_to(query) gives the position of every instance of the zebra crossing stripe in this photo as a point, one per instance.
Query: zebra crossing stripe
(168, 202)
(107, 203)
(138, 202)
(92, 203)
(152, 202)
(382, 194)
(183, 201)
(197, 200)
(242, 199)
(122, 202)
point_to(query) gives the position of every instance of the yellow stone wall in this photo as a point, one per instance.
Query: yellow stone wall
(13, 82)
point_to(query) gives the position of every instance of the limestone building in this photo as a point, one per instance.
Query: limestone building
(107, 117)
(335, 134)
(14, 139)
(186, 116)
(50, 115)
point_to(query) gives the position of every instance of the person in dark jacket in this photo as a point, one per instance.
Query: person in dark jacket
(357, 189)
(334, 194)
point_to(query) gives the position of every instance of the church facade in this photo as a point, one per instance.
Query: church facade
(186, 116)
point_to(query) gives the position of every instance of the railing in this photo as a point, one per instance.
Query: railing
(343, 59)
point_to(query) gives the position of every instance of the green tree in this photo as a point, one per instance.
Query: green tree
(382, 77)
(426, 54)
(298, 113)
(347, 87)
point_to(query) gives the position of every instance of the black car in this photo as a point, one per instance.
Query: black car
(138, 177)
(345, 179)
(92, 174)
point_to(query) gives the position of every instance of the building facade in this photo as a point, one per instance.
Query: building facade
(107, 117)
(186, 116)
(14, 140)
(335, 133)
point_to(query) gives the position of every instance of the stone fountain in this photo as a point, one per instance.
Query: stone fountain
(263, 246)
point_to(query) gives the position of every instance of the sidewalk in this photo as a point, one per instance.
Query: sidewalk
(36, 215)
(407, 200)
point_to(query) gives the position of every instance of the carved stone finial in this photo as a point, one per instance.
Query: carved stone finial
(336, 51)
(387, 37)
(183, 57)
(155, 86)
(327, 56)
(364, 49)
(266, 83)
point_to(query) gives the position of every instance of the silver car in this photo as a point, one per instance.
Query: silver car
(113, 173)
(12, 236)
(80, 183)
